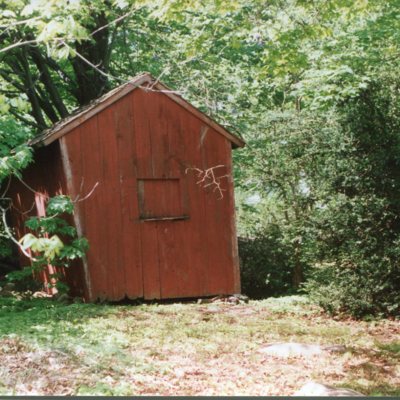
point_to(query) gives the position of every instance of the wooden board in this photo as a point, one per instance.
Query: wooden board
(217, 233)
(169, 197)
(130, 243)
(78, 275)
(93, 228)
(148, 231)
(196, 249)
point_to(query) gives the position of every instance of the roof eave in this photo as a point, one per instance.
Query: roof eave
(54, 134)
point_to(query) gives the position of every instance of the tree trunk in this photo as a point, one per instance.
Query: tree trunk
(90, 82)
(297, 277)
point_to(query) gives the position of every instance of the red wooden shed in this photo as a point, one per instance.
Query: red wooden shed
(155, 229)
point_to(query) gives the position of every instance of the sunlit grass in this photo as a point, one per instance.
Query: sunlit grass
(185, 349)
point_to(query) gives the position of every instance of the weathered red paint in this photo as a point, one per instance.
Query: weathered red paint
(154, 232)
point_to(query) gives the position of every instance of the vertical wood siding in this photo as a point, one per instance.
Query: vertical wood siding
(154, 231)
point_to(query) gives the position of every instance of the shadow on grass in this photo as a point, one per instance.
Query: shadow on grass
(378, 367)
(40, 317)
(392, 348)
(378, 389)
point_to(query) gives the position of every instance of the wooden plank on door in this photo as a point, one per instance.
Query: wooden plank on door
(171, 241)
(130, 240)
(148, 230)
(191, 130)
(159, 200)
(175, 270)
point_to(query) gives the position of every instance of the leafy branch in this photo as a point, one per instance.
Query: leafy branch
(54, 242)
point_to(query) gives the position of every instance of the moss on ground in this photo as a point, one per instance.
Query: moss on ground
(50, 348)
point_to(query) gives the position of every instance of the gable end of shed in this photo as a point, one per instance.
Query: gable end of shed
(143, 82)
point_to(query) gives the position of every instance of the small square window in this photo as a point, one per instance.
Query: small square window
(160, 199)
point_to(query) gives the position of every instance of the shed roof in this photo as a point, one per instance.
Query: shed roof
(144, 82)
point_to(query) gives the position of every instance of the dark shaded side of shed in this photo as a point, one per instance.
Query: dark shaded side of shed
(154, 231)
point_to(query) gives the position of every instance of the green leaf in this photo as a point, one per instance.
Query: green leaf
(59, 204)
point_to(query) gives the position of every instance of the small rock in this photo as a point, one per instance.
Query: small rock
(179, 373)
(336, 348)
(241, 297)
(286, 350)
(318, 389)
(233, 300)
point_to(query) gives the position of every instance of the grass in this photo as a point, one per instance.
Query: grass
(49, 348)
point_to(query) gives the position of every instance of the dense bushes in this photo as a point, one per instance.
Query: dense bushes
(358, 228)
(358, 248)
(369, 288)
(264, 264)
(333, 184)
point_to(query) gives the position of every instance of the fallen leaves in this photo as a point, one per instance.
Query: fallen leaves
(196, 349)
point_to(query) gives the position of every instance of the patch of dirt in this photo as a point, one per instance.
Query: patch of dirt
(34, 372)
(203, 349)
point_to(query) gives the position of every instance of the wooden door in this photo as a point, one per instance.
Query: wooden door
(163, 213)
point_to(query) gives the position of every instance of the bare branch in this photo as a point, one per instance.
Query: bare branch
(207, 178)
(25, 21)
(11, 236)
(113, 22)
(101, 72)
(78, 199)
(111, 77)
(20, 43)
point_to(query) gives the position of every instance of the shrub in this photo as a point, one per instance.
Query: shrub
(264, 264)
(368, 289)
(46, 245)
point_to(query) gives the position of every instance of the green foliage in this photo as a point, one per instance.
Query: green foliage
(357, 231)
(14, 156)
(365, 289)
(5, 248)
(58, 205)
(330, 166)
(265, 265)
(48, 249)
(14, 153)
(23, 279)
(285, 165)
(332, 184)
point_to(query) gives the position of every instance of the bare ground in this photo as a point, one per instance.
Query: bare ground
(192, 349)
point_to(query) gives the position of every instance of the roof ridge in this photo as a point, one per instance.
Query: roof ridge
(83, 113)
